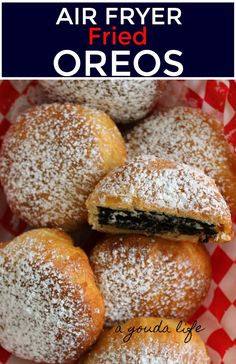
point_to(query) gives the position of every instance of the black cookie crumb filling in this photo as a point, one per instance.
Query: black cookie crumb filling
(154, 223)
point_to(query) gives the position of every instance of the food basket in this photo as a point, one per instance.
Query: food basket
(217, 315)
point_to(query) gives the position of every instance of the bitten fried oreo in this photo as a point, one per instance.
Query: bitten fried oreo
(51, 310)
(141, 276)
(148, 340)
(124, 100)
(158, 197)
(52, 158)
(189, 136)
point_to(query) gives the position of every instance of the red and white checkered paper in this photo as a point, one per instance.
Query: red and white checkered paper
(218, 313)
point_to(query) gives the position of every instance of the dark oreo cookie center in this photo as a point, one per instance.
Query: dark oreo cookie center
(154, 223)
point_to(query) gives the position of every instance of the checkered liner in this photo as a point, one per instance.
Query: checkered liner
(218, 313)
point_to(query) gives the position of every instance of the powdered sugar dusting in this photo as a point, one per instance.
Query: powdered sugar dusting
(150, 352)
(50, 162)
(185, 135)
(138, 279)
(178, 187)
(43, 316)
(123, 100)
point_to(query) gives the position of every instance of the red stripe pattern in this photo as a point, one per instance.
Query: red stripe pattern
(218, 313)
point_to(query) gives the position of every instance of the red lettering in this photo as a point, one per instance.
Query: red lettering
(93, 36)
(124, 38)
(142, 35)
